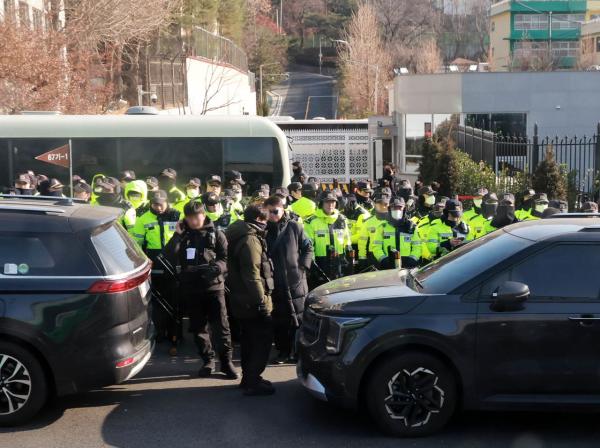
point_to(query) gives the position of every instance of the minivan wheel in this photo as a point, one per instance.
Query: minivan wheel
(23, 385)
(411, 394)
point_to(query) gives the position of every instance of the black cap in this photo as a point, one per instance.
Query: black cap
(210, 198)
(490, 198)
(236, 177)
(382, 198)
(104, 186)
(261, 193)
(541, 197)
(214, 179)
(23, 178)
(397, 202)
(82, 187)
(127, 176)
(453, 205)
(328, 196)
(282, 192)
(386, 191)
(508, 197)
(55, 185)
(426, 190)
(563, 206)
(152, 182)
(362, 185)
(169, 172)
(295, 186)
(194, 182)
(296, 163)
(310, 187)
(529, 192)
(159, 197)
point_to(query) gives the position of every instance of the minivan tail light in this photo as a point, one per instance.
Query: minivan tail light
(121, 285)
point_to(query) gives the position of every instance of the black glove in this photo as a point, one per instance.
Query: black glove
(384, 263)
(211, 271)
(409, 262)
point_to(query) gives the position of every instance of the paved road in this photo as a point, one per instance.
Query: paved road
(166, 406)
(310, 92)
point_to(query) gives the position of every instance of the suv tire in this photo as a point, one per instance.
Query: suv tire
(23, 385)
(411, 394)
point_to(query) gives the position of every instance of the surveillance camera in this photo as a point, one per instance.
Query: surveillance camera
(154, 98)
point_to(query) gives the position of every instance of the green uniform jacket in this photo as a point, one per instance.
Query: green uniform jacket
(367, 232)
(525, 215)
(328, 231)
(152, 232)
(360, 214)
(478, 226)
(389, 237)
(440, 233)
(304, 208)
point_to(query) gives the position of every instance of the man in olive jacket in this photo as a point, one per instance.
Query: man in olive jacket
(250, 282)
(292, 253)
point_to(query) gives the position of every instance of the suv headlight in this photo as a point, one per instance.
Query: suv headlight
(337, 327)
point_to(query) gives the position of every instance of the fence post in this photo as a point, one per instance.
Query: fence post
(535, 156)
(597, 152)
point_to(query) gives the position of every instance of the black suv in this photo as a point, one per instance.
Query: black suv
(510, 321)
(74, 303)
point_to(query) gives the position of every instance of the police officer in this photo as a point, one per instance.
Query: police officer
(559, 204)
(363, 194)
(540, 203)
(136, 193)
(82, 191)
(24, 185)
(424, 225)
(51, 187)
(356, 215)
(214, 184)
(330, 235)
(152, 184)
(108, 193)
(200, 253)
(370, 226)
(125, 177)
(227, 217)
(396, 242)
(477, 201)
(237, 207)
(505, 214)
(306, 206)
(448, 232)
(152, 231)
(192, 193)
(212, 203)
(425, 202)
(167, 181)
(479, 224)
(523, 213)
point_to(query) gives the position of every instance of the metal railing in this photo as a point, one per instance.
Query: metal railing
(510, 154)
(203, 43)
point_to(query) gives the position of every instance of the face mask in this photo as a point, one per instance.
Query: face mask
(430, 200)
(541, 207)
(397, 214)
(107, 198)
(477, 202)
(192, 193)
(237, 196)
(136, 201)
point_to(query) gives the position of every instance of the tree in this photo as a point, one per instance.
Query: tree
(428, 58)
(296, 15)
(231, 19)
(549, 178)
(364, 62)
(200, 12)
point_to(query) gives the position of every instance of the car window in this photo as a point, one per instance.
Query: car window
(467, 262)
(47, 254)
(117, 252)
(563, 272)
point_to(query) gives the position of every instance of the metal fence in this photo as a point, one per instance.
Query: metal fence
(579, 155)
(211, 46)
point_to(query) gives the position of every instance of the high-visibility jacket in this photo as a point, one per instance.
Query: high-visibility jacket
(237, 211)
(440, 233)
(477, 225)
(470, 214)
(402, 238)
(304, 208)
(328, 231)
(140, 187)
(422, 230)
(356, 221)
(367, 232)
(152, 232)
(525, 215)
(176, 195)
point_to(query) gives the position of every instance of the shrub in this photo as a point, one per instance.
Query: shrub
(549, 178)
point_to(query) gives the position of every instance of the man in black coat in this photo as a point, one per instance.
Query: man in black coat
(292, 253)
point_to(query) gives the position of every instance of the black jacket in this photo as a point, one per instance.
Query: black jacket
(205, 264)
(292, 253)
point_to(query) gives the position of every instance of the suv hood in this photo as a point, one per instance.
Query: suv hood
(382, 292)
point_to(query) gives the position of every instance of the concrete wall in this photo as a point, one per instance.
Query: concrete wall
(499, 44)
(215, 89)
(562, 103)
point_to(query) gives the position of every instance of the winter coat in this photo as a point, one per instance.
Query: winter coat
(292, 253)
(250, 272)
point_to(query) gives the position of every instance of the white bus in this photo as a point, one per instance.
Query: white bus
(107, 144)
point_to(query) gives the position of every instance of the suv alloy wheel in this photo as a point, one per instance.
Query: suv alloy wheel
(23, 388)
(411, 394)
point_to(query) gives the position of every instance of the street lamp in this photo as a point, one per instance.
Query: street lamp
(260, 78)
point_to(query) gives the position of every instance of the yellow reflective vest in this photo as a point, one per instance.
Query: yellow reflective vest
(328, 231)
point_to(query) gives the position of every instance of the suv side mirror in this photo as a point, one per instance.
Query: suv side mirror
(509, 296)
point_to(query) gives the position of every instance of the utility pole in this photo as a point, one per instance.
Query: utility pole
(320, 57)
(550, 37)
(281, 16)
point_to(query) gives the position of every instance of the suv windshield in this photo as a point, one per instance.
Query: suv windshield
(451, 271)
(118, 253)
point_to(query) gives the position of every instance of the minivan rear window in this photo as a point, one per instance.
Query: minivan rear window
(27, 254)
(116, 250)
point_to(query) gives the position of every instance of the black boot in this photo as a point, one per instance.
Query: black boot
(228, 369)
(207, 368)
(261, 389)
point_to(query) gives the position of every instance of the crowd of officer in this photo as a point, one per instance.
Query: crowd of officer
(242, 265)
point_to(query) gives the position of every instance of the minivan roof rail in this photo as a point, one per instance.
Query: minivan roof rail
(574, 215)
(53, 199)
(30, 208)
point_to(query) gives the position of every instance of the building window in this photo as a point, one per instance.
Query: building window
(565, 49)
(38, 19)
(598, 45)
(493, 26)
(567, 21)
(9, 10)
(530, 49)
(24, 15)
(525, 22)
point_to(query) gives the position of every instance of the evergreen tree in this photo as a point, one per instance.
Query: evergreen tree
(549, 178)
